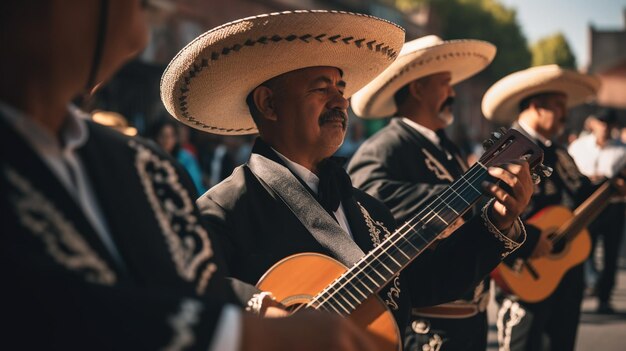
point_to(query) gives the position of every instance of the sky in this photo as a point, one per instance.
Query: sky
(540, 18)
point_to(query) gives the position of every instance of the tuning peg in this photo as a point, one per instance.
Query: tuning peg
(536, 178)
(545, 170)
(487, 144)
(496, 135)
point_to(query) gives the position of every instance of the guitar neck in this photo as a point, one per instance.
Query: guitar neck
(586, 212)
(382, 264)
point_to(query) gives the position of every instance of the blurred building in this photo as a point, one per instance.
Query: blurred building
(607, 50)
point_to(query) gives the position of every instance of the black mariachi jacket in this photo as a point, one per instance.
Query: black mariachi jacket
(258, 230)
(62, 288)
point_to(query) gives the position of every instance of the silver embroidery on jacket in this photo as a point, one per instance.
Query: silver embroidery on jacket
(187, 240)
(376, 228)
(61, 240)
(436, 167)
(182, 324)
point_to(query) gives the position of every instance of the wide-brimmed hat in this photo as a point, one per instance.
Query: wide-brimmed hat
(420, 58)
(113, 120)
(206, 84)
(501, 101)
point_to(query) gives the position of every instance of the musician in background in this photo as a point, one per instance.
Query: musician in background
(411, 160)
(291, 197)
(537, 100)
(599, 156)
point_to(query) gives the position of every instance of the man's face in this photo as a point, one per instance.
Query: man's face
(601, 130)
(311, 111)
(551, 114)
(437, 96)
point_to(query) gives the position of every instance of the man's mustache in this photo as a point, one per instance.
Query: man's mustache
(333, 116)
(448, 103)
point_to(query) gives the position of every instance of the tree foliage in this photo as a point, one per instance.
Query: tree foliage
(486, 20)
(553, 49)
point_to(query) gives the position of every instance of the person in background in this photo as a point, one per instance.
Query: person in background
(536, 101)
(165, 133)
(412, 160)
(600, 157)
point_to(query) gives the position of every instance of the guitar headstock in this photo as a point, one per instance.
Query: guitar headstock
(506, 145)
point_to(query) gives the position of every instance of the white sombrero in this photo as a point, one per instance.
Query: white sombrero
(206, 84)
(501, 102)
(420, 58)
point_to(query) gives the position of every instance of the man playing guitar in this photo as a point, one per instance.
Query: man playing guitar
(540, 97)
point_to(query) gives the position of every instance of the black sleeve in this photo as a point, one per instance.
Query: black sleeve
(532, 238)
(456, 265)
(48, 307)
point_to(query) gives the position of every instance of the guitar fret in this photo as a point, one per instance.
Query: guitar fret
(443, 220)
(394, 260)
(370, 290)
(357, 300)
(402, 252)
(470, 184)
(450, 207)
(370, 278)
(458, 195)
(340, 305)
(346, 300)
(385, 266)
(359, 291)
(380, 275)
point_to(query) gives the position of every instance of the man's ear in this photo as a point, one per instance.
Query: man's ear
(535, 105)
(264, 100)
(415, 90)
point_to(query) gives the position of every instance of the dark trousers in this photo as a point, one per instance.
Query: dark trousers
(610, 226)
(551, 324)
(443, 334)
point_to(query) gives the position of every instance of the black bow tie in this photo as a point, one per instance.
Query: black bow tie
(335, 185)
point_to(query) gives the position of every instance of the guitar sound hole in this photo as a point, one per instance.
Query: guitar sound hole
(559, 246)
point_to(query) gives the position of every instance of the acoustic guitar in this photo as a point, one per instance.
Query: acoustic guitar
(534, 279)
(315, 281)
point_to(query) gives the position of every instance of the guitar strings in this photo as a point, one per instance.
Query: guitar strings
(425, 216)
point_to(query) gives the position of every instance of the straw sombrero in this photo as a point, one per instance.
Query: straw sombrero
(420, 58)
(501, 101)
(206, 84)
(113, 120)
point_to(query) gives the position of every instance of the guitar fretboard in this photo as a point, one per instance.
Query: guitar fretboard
(384, 262)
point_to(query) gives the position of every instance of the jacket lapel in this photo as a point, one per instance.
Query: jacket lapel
(47, 210)
(303, 204)
(437, 159)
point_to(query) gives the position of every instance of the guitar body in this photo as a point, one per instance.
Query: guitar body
(296, 279)
(536, 280)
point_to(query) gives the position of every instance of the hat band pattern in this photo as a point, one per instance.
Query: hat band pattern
(420, 62)
(196, 68)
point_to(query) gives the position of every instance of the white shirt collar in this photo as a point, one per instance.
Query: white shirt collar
(73, 133)
(530, 131)
(426, 132)
(304, 173)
